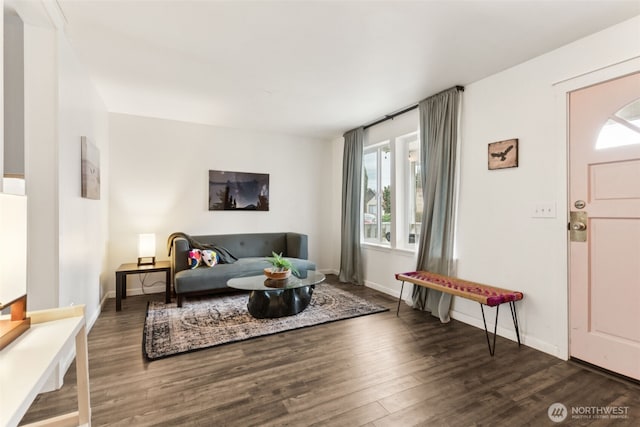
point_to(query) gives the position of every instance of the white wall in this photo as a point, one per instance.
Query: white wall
(67, 234)
(498, 241)
(83, 223)
(159, 184)
(41, 168)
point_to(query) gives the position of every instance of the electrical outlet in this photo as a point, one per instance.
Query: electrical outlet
(544, 210)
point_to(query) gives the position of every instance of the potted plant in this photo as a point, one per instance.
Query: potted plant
(281, 267)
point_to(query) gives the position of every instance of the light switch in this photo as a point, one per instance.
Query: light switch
(544, 210)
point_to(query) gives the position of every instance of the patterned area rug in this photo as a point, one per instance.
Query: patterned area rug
(209, 321)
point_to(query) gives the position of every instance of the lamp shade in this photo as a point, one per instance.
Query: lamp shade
(13, 247)
(146, 245)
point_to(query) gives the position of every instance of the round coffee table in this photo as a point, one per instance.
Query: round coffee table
(278, 298)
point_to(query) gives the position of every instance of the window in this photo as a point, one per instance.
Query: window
(392, 188)
(623, 128)
(377, 192)
(413, 201)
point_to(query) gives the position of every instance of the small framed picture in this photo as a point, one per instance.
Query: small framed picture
(503, 154)
(90, 170)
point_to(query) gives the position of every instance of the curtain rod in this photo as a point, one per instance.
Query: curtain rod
(406, 110)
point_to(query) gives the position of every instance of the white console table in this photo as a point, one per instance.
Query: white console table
(27, 363)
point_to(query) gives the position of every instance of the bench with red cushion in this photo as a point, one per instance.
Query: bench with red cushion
(484, 294)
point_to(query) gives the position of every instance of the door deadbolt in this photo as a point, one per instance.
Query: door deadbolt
(580, 204)
(578, 226)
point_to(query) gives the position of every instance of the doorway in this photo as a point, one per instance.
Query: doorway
(604, 201)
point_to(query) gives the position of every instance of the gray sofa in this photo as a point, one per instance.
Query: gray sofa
(251, 251)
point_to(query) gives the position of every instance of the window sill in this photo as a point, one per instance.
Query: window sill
(385, 248)
(376, 246)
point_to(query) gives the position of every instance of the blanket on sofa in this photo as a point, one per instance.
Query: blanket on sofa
(224, 256)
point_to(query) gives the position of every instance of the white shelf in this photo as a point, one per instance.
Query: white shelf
(27, 363)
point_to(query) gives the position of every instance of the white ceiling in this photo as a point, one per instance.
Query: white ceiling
(313, 68)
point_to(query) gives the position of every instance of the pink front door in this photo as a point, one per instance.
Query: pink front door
(604, 283)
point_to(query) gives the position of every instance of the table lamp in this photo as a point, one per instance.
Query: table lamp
(13, 267)
(146, 249)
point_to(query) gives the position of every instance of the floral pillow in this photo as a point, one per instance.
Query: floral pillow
(209, 257)
(195, 258)
(204, 257)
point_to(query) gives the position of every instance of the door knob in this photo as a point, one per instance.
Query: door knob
(578, 226)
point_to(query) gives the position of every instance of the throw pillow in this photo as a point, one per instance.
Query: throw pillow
(209, 257)
(195, 258)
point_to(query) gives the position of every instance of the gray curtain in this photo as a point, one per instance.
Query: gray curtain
(438, 139)
(350, 261)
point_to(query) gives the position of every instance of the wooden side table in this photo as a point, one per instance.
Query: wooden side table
(134, 268)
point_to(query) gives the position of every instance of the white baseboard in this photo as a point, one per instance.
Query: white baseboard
(155, 289)
(56, 380)
(329, 271)
(394, 292)
(507, 333)
(103, 301)
(94, 317)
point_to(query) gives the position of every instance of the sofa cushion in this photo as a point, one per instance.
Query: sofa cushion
(249, 244)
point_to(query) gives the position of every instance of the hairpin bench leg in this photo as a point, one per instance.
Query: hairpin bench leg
(514, 316)
(424, 299)
(486, 331)
(400, 299)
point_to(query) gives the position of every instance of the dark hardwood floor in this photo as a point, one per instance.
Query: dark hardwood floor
(377, 370)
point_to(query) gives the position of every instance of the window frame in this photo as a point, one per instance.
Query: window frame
(378, 149)
(402, 197)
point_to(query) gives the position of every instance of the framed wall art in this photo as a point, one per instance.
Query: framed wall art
(503, 154)
(90, 169)
(229, 191)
